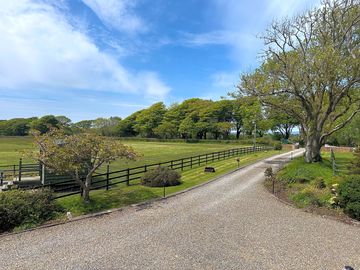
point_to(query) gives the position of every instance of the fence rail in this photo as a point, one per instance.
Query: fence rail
(336, 167)
(128, 175)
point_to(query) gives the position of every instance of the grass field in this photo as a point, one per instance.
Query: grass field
(309, 185)
(122, 195)
(11, 149)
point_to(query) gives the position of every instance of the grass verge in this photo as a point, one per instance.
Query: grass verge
(309, 186)
(122, 195)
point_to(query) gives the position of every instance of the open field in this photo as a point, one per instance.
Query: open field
(152, 152)
(122, 195)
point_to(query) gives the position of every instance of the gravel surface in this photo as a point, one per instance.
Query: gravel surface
(231, 223)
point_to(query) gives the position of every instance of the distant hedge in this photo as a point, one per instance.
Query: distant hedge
(26, 208)
(259, 141)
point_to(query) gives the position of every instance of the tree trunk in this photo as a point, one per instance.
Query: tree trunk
(312, 149)
(86, 190)
(86, 195)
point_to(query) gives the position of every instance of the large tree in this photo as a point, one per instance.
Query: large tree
(78, 155)
(281, 122)
(148, 119)
(312, 71)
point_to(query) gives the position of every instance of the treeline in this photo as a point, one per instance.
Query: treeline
(192, 119)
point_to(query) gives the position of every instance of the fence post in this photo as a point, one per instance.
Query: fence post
(107, 176)
(128, 177)
(145, 168)
(171, 164)
(191, 162)
(182, 164)
(20, 168)
(199, 160)
(1, 178)
(333, 162)
(206, 158)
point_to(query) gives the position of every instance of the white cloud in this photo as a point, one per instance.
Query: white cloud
(117, 14)
(40, 49)
(225, 80)
(288, 8)
(218, 37)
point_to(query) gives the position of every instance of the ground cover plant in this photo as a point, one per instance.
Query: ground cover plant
(314, 185)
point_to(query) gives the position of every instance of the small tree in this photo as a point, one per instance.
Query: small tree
(78, 155)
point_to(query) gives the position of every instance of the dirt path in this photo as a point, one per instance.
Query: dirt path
(232, 223)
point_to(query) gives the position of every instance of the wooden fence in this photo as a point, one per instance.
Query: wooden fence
(66, 187)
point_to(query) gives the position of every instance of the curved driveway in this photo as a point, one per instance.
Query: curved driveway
(231, 223)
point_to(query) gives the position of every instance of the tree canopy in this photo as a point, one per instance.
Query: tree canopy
(311, 71)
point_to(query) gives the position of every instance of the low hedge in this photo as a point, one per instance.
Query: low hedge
(349, 196)
(161, 176)
(26, 208)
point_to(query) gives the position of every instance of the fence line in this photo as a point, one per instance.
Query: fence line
(336, 167)
(106, 180)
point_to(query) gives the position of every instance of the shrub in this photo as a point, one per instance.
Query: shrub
(320, 183)
(161, 176)
(269, 173)
(278, 146)
(349, 196)
(25, 208)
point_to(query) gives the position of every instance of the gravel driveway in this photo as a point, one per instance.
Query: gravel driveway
(231, 223)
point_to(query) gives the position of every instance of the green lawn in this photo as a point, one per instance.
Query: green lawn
(121, 195)
(309, 184)
(152, 152)
(11, 149)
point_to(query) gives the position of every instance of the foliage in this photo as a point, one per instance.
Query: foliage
(25, 208)
(45, 123)
(161, 176)
(278, 146)
(349, 136)
(313, 184)
(281, 122)
(349, 196)
(148, 119)
(311, 71)
(16, 126)
(355, 164)
(269, 173)
(193, 119)
(78, 155)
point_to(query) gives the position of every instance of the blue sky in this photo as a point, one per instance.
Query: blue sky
(99, 58)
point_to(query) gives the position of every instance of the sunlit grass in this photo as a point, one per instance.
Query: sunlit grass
(122, 195)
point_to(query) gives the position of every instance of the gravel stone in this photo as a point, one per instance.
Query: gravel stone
(231, 223)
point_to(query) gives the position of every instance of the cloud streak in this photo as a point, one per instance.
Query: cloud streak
(117, 14)
(40, 49)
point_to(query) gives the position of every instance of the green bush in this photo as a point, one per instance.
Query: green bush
(161, 176)
(349, 196)
(25, 208)
(278, 146)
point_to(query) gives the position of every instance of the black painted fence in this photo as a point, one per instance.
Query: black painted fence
(66, 187)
